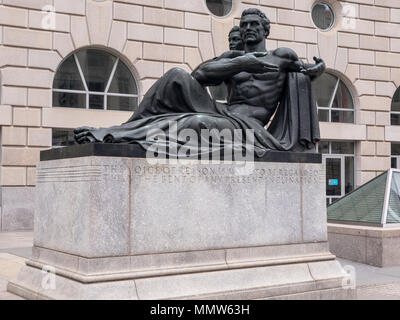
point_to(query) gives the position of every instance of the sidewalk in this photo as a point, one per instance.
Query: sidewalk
(375, 283)
(15, 248)
(372, 283)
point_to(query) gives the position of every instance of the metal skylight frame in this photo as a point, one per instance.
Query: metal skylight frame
(387, 199)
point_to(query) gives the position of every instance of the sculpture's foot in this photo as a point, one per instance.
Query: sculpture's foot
(108, 139)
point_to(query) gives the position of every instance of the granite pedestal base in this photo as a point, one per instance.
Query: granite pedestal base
(117, 227)
(376, 246)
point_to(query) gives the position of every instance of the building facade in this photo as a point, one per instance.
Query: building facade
(69, 63)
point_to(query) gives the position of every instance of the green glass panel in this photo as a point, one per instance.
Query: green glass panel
(364, 204)
(393, 214)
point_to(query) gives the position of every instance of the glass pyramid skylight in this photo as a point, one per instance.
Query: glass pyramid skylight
(376, 203)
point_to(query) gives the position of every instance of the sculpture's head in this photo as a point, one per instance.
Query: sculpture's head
(254, 26)
(235, 39)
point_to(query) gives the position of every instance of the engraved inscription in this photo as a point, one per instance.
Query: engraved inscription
(220, 174)
(115, 173)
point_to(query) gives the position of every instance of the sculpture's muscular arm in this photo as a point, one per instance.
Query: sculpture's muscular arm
(290, 60)
(216, 71)
(229, 54)
(226, 55)
(294, 64)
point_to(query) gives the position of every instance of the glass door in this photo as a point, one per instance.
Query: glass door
(338, 156)
(334, 178)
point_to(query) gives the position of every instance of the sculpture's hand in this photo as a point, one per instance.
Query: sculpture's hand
(315, 70)
(253, 63)
(84, 135)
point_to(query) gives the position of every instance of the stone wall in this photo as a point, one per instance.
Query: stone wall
(375, 246)
(153, 36)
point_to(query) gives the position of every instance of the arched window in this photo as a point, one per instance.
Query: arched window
(95, 79)
(333, 98)
(395, 109)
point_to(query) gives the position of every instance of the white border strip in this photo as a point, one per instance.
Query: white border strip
(387, 196)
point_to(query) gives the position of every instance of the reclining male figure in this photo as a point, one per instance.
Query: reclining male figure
(257, 83)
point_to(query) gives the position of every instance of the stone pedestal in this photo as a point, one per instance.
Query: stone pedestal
(376, 246)
(118, 227)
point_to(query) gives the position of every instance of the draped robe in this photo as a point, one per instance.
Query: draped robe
(179, 98)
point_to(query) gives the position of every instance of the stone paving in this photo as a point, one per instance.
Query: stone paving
(372, 283)
(14, 250)
(375, 283)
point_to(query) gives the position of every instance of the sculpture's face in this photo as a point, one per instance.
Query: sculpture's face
(251, 29)
(235, 41)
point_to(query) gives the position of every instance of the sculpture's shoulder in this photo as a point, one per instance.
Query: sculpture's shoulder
(286, 53)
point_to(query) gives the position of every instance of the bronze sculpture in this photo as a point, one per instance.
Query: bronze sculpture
(220, 93)
(261, 84)
(235, 39)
